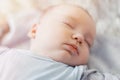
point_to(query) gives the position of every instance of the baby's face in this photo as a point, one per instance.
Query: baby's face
(65, 34)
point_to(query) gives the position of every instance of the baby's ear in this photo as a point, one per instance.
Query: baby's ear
(32, 31)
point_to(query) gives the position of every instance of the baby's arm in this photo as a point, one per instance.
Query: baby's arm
(96, 75)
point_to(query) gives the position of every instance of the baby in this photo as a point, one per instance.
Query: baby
(64, 34)
(60, 49)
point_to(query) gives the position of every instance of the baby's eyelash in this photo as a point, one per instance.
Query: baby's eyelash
(68, 25)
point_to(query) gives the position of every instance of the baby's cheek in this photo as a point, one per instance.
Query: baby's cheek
(65, 33)
(86, 55)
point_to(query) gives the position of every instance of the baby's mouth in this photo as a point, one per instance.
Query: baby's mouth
(71, 48)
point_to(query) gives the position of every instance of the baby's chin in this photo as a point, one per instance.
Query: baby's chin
(74, 64)
(70, 62)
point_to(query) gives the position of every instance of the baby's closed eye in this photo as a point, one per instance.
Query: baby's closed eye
(68, 24)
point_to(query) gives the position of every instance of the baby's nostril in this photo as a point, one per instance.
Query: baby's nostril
(80, 42)
(76, 38)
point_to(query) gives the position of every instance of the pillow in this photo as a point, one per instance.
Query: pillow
(105, 54)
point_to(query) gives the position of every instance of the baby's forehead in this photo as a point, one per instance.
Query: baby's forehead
(67, 10)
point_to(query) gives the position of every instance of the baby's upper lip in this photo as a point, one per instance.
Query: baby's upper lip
(74, 46)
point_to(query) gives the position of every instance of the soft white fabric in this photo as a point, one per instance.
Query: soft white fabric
(24, 65)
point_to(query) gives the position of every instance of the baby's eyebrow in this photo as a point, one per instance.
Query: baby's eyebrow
(71, 18)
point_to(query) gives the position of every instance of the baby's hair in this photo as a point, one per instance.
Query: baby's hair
(50, 8)
(46, 10)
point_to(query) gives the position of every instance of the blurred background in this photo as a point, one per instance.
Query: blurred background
(22, 13)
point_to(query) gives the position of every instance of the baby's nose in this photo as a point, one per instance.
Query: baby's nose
(78, 37)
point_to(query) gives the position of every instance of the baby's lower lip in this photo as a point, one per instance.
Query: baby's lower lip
(71, 49)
